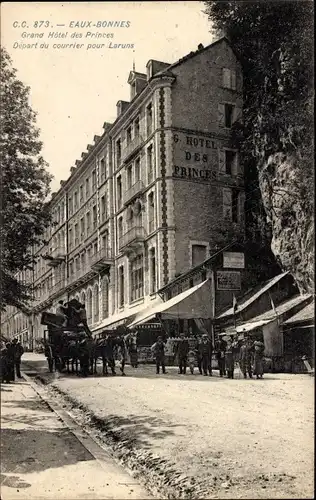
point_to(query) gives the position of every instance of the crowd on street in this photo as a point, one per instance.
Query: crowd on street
(10, 361)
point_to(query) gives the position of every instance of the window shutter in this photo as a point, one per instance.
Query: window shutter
(227, 203)
(226, 78)
(221, 161)
(221, 115)
(233, 80)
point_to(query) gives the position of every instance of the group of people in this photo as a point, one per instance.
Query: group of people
(78, 308)
(11, 356)
(198, 351)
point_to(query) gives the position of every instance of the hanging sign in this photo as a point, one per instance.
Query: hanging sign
(233, 260)
(228, 280)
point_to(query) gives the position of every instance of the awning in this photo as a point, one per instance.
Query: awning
(193, 303)
(247, 327)
(122, 318)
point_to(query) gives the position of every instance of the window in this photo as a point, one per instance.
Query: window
(149, 119)
(89, 306)
(88, 219)
(229, 110)
(70, 210)
(119, 191)
(151, 213)
(82, 227)
(103, 207)
(198, 254)
(76, 234)
(121, 285)
(96, 313)
(120, 229)
(152, 270)
(71, 268)
(137, 169)
(89, 252)
(129, 135)
(235, 198)
(62, 212)
(137, 278)
(118, 153)
(70, 239)
(150, 164)
(230, 157)
(105, 242)
(94, 180)
(75, 201)
(87, 187)
(83, 260)
(81, 193)
(103, 169)
(77, 263)
(105, 298)
(229, 79)
(136, 127)
(95, 217)
(129, 176)
(95, 248)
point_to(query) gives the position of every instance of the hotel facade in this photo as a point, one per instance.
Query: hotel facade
(144, 202)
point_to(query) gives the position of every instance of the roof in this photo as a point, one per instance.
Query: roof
(269, 315)
(252, 296)
(305, 314)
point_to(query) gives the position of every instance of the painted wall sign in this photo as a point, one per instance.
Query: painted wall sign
(228, 280)
(234, 260)
(195, 157)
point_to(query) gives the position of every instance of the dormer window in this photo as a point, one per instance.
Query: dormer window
(133, 90)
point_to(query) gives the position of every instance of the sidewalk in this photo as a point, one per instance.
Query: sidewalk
(42, 459)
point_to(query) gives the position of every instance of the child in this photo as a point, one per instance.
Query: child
(191, 360)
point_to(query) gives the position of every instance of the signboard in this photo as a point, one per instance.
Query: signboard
(228, 280)
(234, 260)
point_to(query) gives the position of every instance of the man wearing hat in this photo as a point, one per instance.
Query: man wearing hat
(158, 350)
(205, 351)
(245, 359)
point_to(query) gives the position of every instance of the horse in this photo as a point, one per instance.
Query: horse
(105, 348)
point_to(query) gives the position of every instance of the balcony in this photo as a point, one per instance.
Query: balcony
(56, 257)
(130, 240)
(58, 287)
(133, 191)
(102, 260)
(133, 146)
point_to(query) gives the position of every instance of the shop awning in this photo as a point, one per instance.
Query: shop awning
(246, 327)
(190, 304)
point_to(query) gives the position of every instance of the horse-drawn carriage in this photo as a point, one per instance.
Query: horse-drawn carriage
(72, 344)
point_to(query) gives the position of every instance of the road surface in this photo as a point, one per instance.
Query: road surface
(42, 459)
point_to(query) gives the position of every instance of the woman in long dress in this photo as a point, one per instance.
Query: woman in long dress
(258, 360)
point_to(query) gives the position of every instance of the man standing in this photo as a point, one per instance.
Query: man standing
(205, 349)
(182, 350)
(158, 350)
(8, 361)
(83, 320)
(61, 311)
(221, 348)
(245, 359)
(18, 352)
(198, 353)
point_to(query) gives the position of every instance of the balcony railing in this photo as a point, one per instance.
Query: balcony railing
(55, 257)
(131, 147)
(235, 180)
(78, 274)
(134, 236)
(101, 259)
(133, 191)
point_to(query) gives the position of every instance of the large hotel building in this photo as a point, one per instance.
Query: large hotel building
(143, 203)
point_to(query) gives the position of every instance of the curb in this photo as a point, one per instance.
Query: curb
(160, 476)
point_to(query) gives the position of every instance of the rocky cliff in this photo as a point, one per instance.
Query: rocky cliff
(288, 202)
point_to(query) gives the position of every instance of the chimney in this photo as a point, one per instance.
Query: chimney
(200, 46)
(121, 106)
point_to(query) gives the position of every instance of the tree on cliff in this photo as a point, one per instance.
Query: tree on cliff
(274, 43)
(24, 186)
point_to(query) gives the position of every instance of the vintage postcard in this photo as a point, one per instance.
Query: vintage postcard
(157, 250)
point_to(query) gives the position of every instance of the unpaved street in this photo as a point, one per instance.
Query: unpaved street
(42, 459)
